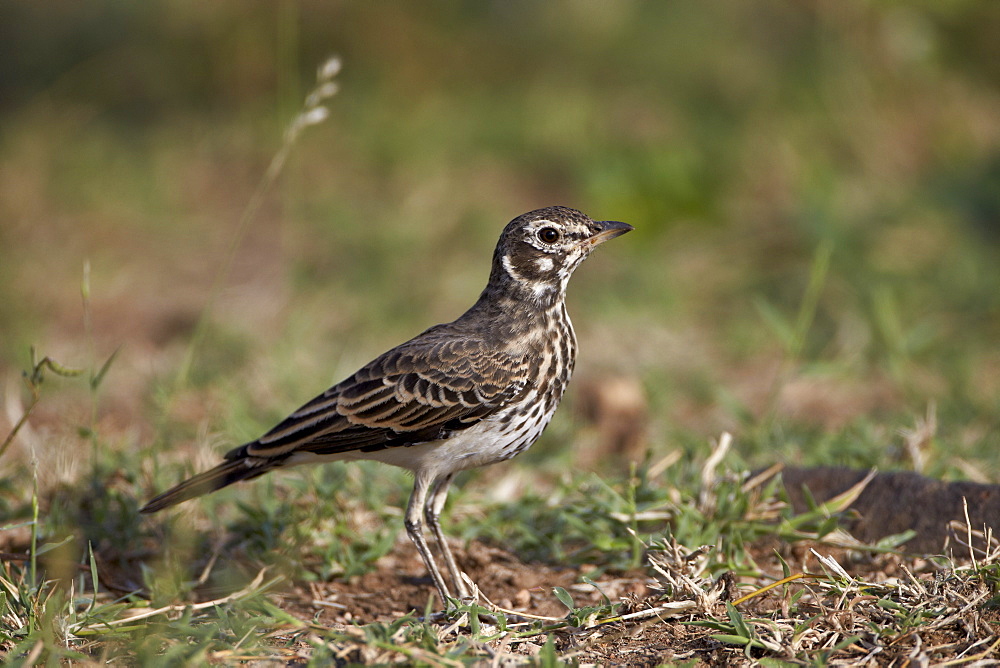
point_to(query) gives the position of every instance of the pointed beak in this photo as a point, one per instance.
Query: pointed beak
(609, 229)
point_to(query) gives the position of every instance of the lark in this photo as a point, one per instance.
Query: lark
(475, 391)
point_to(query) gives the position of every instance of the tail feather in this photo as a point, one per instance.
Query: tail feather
(221, 476)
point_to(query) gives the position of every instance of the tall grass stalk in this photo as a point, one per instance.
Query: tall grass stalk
(313, 112)
(794, 336)
(96, 375)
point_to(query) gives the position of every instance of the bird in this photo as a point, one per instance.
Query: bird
(464, 394)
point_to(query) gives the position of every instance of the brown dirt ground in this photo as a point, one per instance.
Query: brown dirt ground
(399, 585)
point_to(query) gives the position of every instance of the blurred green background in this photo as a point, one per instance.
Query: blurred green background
(815, 188)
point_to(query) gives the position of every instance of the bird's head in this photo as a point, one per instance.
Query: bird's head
(538, 251)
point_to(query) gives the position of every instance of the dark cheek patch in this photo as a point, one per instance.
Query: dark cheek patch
(536, 265)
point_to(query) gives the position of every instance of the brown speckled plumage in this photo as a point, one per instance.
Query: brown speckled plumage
(467, 393)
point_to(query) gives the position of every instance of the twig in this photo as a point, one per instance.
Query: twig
(247, 591)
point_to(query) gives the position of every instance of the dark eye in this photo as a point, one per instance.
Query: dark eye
(548, 235)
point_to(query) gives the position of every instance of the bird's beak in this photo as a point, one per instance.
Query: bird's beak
(609, 229)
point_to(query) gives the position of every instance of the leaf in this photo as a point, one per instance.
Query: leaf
(95, 382)
(895, 540)
(785, 570)
(737, 620)
(773, 318)
(739, 640)
(564, 597)
(604, 597)
(547, 657)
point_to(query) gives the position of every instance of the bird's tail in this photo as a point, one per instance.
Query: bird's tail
(222, 475)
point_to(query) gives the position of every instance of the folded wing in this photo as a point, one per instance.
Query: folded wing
(421, 391)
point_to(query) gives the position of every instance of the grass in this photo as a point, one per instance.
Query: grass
(639, 523)
(813, 271)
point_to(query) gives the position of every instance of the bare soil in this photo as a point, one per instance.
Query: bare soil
(399, 585)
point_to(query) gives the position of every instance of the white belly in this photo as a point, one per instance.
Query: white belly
(487, 442)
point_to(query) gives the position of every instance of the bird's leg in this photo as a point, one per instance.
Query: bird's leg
(435, 504)
(415, 529)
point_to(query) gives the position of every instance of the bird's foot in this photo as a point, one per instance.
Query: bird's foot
(469, 617)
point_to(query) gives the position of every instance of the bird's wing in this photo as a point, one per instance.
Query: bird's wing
(420, 391)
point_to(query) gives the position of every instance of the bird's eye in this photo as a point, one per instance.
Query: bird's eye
(548, 235)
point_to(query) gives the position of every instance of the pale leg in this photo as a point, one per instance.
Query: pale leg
(435, 504)
(415, 510)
